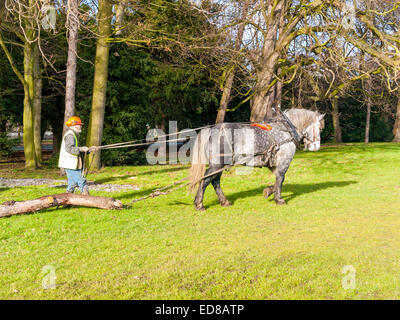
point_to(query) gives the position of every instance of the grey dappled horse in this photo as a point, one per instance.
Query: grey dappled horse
(234, 143)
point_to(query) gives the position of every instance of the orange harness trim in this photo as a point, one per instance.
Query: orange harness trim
(266, 127)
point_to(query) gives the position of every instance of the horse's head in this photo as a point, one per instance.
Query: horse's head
(309, 125)
(311, 134)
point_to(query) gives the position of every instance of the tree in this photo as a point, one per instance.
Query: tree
(37, 104)
(28, 33)
(70, 83)
(230, 72)
(96, 122)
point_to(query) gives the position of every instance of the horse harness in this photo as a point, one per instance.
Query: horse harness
(268, 155)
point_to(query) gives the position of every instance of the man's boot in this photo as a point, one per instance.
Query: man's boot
(85, 191)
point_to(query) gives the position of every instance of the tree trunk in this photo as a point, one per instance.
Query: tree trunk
(28, 120)
(226, 95)
(119, 17)
(56, 138)
(226, 92)
(70, 85)
(264, 93)
(95, 133)
(276, 40)
(278, 92)
(11, 208)
(27, 82)
(367, 122)
(396, 128)
(37, 105)
(368, 119)
(336, 123)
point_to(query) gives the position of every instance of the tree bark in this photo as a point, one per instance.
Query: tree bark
(336, 122)
(226, 92)
(119, 17)
(37, 105)
(11, 208)
(29, 143)
(28, 119)
(264, 95)
(56, 140)
(396, 128)
(367, 122)
(368, 119)
(70, 85)
(95, 132)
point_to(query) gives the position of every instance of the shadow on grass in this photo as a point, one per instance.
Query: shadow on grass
(136, 194)
(295, 189)
(149, 172)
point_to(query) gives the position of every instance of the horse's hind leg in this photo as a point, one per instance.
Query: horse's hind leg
(217, 187)
(198, 200)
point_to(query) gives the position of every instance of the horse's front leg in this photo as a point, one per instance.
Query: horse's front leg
(278, 188)
(284, 157)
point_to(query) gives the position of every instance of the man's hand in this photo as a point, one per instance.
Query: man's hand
(94, 149)
(84, 149)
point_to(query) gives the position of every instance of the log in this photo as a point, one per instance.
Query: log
(11, 208)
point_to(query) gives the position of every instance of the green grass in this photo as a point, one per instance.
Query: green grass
(343, 209)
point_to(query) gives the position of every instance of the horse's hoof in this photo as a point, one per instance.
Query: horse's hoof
(226, 204)
(200, 207)
(280, 202)
(267, 192)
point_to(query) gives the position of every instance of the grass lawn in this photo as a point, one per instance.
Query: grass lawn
(343, 210)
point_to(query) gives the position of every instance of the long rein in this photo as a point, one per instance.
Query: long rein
(176, 185)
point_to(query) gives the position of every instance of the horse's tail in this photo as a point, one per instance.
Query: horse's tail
(199, 159)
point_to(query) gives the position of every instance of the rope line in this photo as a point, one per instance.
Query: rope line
(176, 185)
(139, 143)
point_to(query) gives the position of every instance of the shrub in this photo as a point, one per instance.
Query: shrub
(7, 145)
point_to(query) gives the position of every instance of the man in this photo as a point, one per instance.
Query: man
(71, 156)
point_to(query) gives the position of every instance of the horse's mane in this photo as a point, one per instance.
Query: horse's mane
(302, 118)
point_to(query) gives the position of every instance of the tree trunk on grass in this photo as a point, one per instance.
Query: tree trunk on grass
(336, 122)
(11, 208)
(37, 106)
(96, 123)
(27, 81)
(396, 128)
(28, 115)
(368, 120)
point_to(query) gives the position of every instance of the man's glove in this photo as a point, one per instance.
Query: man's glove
(84, 149)
(93, 149)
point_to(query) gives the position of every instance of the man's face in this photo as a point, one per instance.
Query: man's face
(78, 128)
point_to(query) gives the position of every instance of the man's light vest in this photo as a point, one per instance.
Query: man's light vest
(68, 160)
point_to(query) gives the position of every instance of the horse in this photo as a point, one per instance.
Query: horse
(272, 145)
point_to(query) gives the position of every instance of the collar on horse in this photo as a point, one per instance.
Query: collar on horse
(294, 133)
